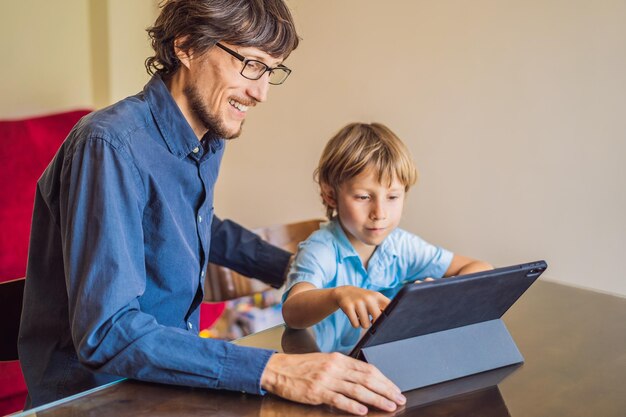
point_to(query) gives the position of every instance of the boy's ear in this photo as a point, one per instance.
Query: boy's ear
(183, 56)
(328, 195)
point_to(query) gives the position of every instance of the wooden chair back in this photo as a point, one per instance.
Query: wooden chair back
(11, 294)
(225, 284)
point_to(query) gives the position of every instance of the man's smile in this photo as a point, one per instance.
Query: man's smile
(238, 105)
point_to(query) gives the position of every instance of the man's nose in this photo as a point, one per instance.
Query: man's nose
(258, 89)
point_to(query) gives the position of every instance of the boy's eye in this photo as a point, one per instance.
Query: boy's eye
(394, 197)
(362, 197)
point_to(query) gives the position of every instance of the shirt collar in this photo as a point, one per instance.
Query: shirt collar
(345, 249)
(175, 130)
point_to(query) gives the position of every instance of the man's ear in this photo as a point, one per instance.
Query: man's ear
(183, 56)
(329, 195)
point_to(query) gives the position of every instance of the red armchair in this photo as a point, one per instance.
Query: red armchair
(26, 148)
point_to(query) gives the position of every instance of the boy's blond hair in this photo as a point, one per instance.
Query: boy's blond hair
(360, 146)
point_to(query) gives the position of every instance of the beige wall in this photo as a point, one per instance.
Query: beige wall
(68, 54)
(45, 57)
(128, 21)
(514, 112)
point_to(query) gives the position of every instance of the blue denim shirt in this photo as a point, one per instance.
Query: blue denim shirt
(123, 229)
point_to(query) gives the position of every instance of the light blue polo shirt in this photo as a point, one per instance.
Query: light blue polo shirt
(327, 259)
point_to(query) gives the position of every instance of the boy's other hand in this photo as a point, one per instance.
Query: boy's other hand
(359, 304)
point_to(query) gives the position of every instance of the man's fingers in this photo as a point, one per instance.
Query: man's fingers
(367, 385)
(352, 397)
(369, 376)
(361, 383)
(341, 402)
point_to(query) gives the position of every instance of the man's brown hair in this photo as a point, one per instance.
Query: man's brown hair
(200, 24)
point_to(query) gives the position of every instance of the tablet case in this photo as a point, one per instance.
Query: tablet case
(438, 331)
(473, 386)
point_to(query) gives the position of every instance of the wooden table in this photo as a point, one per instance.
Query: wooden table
(573, 342)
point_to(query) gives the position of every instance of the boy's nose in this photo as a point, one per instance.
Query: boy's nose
(379, 212)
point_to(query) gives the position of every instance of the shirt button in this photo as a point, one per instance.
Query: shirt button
(202, 272)
(196, 150)
(189, 325)
(199, 219)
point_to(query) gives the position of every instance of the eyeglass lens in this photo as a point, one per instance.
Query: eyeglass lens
(255, 70)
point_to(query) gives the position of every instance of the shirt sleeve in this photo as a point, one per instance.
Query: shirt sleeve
(422, 259)
(315, 263)
(101, 200)
(237, 248)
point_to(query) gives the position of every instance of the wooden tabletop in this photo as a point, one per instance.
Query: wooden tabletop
(573, 342)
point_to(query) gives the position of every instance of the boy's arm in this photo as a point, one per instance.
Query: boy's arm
(462, 265)
(307, 305)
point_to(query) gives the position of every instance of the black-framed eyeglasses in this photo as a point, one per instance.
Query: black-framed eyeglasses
(254, 69)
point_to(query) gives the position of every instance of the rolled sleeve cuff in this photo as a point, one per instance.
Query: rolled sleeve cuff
(243, 368)
(273, 262)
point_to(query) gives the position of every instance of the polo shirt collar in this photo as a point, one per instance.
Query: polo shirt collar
(345, 249)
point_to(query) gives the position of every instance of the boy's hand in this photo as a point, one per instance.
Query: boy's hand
(359, 304)
(419, 281)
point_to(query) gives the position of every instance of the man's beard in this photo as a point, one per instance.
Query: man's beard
(216, 128)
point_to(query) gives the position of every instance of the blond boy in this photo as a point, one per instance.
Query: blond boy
(360, 259)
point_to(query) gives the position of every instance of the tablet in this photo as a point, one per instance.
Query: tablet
(448, 303)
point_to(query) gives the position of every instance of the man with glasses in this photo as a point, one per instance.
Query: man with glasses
(123, 227)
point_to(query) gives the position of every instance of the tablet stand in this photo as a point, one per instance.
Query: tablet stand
(446, 355)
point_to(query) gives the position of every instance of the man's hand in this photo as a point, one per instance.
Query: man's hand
(359, 304)
(330, 378)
